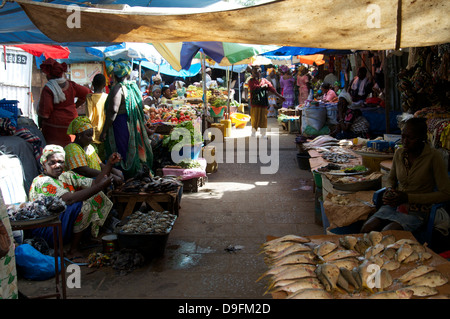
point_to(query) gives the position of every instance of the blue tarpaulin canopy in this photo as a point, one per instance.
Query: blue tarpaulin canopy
(286, 52)
(17, 28)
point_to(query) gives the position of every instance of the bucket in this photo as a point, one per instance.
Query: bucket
(303, 161)
(317, 178)
(110, 243)
(240, 120)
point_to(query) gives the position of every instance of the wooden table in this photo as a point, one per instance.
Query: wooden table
(126, 202)
(58, 249)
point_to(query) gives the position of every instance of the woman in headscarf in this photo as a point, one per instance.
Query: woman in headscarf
(287, 86)
(57, 107)
(81, 156)
(303, 84)
(86, 204)
(417, 180)
(124, 130)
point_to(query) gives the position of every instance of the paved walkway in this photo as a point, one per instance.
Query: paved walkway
(238, 206)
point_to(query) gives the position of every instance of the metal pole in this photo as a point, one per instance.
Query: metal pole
(205, 102)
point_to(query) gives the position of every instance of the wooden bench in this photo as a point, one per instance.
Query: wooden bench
(125, 203)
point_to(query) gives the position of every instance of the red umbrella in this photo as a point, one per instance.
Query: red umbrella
(50, 51)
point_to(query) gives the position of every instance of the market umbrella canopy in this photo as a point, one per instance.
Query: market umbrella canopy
(180, 54)
(332, 24)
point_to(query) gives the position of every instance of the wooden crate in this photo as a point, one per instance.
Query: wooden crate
(192, 185)
(127, 203)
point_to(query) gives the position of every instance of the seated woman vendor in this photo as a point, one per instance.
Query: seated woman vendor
(86, 204)
(81, 156)
(329, 95)
(417, 180)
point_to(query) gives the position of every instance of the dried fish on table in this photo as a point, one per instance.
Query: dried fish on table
(149, 184)
(43, 206)
(396, 294)
(313, 293)
(416, 272)
(431, 279)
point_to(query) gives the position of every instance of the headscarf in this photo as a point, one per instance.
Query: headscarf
(53, 68)
(50, 150)
(156, 78)
(79, 125)
(120, 68)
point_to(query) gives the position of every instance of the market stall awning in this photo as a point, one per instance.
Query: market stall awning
(337, 24)
(311, 59)
(49, 51)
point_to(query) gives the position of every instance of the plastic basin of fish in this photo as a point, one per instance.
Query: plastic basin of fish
(240, 120)
(150, 245)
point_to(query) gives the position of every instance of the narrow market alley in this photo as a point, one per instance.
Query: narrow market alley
(237, 208)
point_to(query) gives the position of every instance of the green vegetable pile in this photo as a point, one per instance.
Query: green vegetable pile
(190, 164)
(174, 144)
(356, 168)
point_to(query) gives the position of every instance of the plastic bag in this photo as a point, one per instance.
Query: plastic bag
(34, 265)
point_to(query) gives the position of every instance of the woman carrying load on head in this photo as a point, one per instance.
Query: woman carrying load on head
(57, 107)
(124, 130)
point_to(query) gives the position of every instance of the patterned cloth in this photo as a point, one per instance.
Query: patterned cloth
(34, 140)
(50, 150)
(79, 125)
(8, 272)
(120, 67)
(76, 157)
(95, 209)
(287, 87)
(6, 127)
(137, 146)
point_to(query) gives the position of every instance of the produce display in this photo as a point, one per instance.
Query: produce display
(44, 206)
(187, 112)
(373, 266)
(151, 222)
(335, 169)
(172, 143)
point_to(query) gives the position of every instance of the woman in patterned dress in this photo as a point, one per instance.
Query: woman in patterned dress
(287, 86)
(86, 204)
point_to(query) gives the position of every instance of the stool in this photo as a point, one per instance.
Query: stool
(58, 248)
(126, 202)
